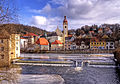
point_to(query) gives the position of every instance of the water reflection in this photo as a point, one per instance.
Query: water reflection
(118, 74)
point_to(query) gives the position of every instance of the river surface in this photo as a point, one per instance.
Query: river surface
(94, 74)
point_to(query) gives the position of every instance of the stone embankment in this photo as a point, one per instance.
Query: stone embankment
(84, 51)
(117, 55)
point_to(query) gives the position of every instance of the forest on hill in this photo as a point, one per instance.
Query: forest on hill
(22, 29)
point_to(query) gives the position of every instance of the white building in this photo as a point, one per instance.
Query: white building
(23, 43)
(110, 44)
(15, 45)
(53, 37)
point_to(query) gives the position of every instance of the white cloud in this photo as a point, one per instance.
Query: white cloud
(38, 20)
(49, 24)
(81, 12)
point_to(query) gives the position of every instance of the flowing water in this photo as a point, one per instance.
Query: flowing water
(92, 74)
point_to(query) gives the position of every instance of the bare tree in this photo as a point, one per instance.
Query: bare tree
(8, 11)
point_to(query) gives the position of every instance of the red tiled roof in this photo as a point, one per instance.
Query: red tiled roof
(91, 31)
(22, 38)
(70, 35)
(30, 34)
(56, 42)
(100, 29)
(42, 41)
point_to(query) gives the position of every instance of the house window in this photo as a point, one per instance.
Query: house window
(16, 48)
(111, 43)
(16, 55)
(16, 42)
(2, 56)
(1, 41)
(111, 46)
(2, 48)
(17, 38)
(107, 47)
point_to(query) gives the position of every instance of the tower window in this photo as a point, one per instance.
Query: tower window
(65, 27)
(2, 48)
(2, 56)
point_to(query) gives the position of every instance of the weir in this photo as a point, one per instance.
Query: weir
(81, 63)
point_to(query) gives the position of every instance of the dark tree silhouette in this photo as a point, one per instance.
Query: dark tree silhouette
(8, 11)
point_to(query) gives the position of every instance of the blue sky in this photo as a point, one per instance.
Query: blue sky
(48, 14)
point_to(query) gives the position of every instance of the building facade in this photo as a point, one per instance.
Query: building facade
(15, 46)
(53, 37)
(5, 48)
(32, 38)
(43, 44)
(23, 43)
(110, 44)
(83, 43)
(69, 42)
(96, 43)
(57, 45)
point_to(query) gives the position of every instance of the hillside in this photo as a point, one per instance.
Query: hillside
(22, 29)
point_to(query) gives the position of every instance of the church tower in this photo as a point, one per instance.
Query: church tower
(65, 30)
(65, 27)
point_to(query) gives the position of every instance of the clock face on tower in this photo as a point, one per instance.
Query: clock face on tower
(65, 27)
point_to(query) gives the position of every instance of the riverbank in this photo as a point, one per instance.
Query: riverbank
(117, 55)
(71, 51)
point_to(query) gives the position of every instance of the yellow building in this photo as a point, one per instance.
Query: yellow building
(5, 47)
(15, 46)
(9, 47)
(97, 43)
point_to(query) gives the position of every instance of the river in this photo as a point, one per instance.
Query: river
(93, 74)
